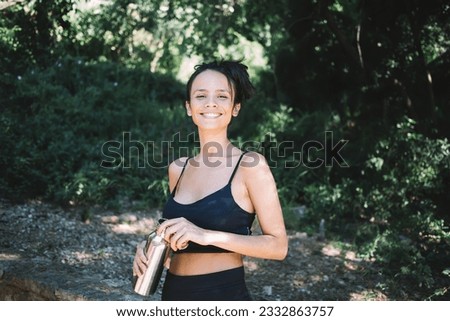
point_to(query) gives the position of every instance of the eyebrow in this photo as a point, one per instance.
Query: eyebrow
(219, 90)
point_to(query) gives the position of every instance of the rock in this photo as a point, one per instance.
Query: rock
(299, 211)
(267, 289)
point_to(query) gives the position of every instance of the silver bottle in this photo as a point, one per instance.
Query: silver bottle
(156, 250)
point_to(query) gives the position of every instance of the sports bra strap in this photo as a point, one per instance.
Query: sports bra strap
(179, 177)
(236, 167)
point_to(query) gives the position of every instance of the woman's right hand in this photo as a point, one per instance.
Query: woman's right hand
(140, 260)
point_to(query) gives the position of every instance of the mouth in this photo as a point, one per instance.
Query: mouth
(210, 115)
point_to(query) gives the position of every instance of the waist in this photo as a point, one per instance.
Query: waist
(184, 264)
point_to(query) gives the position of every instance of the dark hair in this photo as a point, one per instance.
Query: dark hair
(236, 74)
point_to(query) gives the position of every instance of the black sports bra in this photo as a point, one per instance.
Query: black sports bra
(216, 211)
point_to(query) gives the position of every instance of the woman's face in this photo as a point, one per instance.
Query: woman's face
(211, 105)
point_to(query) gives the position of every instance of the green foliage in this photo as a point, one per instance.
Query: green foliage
(114, 30)
(31, 32)
(395, 211)
(55, 124)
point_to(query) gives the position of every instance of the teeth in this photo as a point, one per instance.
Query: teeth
(212, 115)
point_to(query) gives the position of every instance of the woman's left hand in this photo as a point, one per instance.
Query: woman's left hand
(179, 232)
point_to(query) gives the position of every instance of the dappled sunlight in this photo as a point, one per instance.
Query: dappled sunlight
(299, 242)
(349, 258)
(130, 223)
(316, 278)
(368, 295)
(330, 250)
(9, 257)
(350, 266)
(315, 270)
(251, 265)
(62, 247)
(73, 258)
(86, 257)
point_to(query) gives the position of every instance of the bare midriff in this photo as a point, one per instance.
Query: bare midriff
(184, 264)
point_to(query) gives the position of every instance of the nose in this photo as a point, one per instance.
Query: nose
(211, 102)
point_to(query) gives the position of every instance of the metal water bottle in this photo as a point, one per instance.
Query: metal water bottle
(156, 250)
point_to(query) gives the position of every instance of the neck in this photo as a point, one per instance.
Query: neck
(214, 144)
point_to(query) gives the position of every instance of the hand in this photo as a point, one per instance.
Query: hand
(140, 260)
(179, 232)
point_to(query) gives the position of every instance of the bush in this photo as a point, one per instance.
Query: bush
(56, 120)
(394, 211)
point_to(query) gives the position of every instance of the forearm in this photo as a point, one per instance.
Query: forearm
(260, 246)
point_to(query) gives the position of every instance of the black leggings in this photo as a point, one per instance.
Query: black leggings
(228, 285)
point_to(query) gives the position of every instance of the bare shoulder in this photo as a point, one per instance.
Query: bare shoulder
(255, 164)
(259, 181)
(254, 160)
(177, 165)
(175, 168)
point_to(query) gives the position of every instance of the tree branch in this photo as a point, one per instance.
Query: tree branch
(6, 4)
(331, 22)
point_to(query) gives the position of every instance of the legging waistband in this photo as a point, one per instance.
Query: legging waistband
(211, 279)
(223, 285)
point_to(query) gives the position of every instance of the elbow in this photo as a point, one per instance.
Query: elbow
(282, 252)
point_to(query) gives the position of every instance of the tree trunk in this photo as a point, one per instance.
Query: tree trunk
(424, 73)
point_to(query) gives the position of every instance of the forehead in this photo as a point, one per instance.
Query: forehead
(210, 80)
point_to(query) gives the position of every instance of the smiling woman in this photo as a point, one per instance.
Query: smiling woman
(216, 196)
(211, 99)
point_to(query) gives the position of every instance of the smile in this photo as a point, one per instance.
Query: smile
(211, 115)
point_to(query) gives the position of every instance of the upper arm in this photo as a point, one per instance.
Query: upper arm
(263, 194)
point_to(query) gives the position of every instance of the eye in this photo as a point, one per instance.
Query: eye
(200, 96)
(223, 97)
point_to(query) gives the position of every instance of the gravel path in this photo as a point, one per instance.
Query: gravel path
(49, 253)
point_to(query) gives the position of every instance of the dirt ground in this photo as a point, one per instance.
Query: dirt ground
(104, 245)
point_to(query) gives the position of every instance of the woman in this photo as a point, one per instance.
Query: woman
(215, 195)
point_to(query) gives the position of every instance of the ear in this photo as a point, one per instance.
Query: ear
(236, 109)
(188, 108)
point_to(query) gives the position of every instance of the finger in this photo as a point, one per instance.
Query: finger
(142, 256)
(175, 243)
(136, 269)
(165, 224)
(141, 266)
(171, 231)
(162, 228)
(182, 243)
(140, 260)
(184, 246)
(181, 240)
